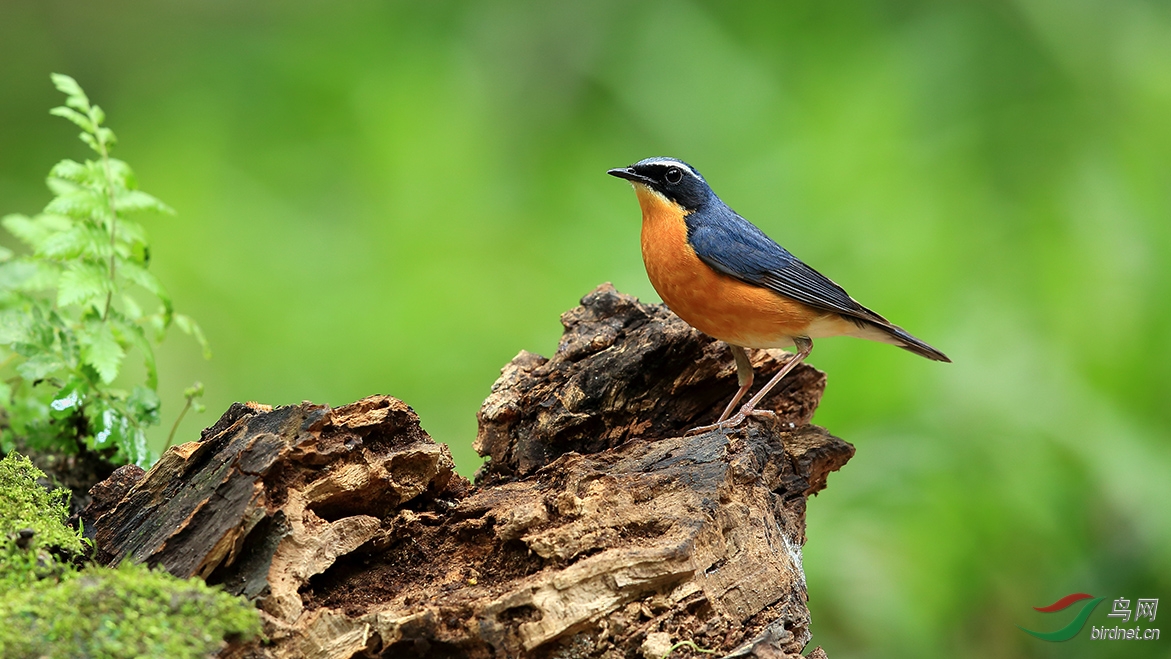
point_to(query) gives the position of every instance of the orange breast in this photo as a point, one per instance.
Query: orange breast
(714, 303)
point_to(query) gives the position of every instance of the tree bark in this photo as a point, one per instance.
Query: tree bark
(597, 529)
(622, 370)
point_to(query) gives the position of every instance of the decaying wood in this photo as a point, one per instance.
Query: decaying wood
(598, 530)
(622, 370)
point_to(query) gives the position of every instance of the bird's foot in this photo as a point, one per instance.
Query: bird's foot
(748, 410)
(761, 414)
(702, 429)
(726, 424)
(732, 421)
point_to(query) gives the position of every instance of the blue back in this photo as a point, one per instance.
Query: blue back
(734, 246)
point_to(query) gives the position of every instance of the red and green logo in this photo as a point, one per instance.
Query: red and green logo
(1069, 631)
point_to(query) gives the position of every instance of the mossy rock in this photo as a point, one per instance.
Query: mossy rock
(50, 610)
(129, 611)
(35, 540)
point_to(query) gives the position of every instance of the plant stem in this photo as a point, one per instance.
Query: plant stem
(105, 152)
(175, 426)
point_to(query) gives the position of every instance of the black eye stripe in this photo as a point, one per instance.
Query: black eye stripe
(673, 175)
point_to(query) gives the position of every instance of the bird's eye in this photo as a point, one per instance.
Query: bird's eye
(673, 175)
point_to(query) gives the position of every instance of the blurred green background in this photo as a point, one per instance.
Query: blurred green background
(398, 197)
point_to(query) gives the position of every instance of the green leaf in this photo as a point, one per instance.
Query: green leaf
(105, 424)
(76, 98)
(114, 427)
(82, 283)
(82, 203)
(157, 323)
(190, 327)
(70, 170)
(70, 398)
(82, 240)
(129, 333)
(60, 186)
(24, 228)
(13, 327)
(42, 332)
(109, 425)
(143, 406)
(68, 176)
(73, 115)
(132, 241)
(131, 201)
(36, 230)
(39, 366)
(132, 310)
(141, 276)
(106, 136)
(5, 254)
(100, 349)
(122, 174)
(28, 275)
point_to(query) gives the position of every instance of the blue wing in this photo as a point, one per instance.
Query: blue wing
(734, 246)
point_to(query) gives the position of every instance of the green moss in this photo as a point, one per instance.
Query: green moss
(48, 609)
(129, 611)
(24, 506)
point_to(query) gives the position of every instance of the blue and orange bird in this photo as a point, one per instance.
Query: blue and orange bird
(727, 279)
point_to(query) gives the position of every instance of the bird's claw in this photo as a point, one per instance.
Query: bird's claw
(726, 424)
(701, 430)
(731, 422)
(764, 414)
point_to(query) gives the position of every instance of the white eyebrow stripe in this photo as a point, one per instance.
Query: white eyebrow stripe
(672, 163)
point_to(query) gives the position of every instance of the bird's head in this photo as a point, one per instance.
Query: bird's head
(670, 178)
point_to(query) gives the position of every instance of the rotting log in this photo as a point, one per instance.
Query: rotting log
(622, 370)
(596, 530)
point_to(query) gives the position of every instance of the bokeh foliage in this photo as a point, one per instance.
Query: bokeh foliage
(397, 197)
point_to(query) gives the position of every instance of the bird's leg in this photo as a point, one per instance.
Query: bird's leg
(744, 375)
(804, 347)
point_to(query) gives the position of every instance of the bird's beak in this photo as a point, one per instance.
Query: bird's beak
(629, 174)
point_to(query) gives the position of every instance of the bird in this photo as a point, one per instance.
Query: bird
(726, 278)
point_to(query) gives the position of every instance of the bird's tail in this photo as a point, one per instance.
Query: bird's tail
(908, 342)
(895, 335)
